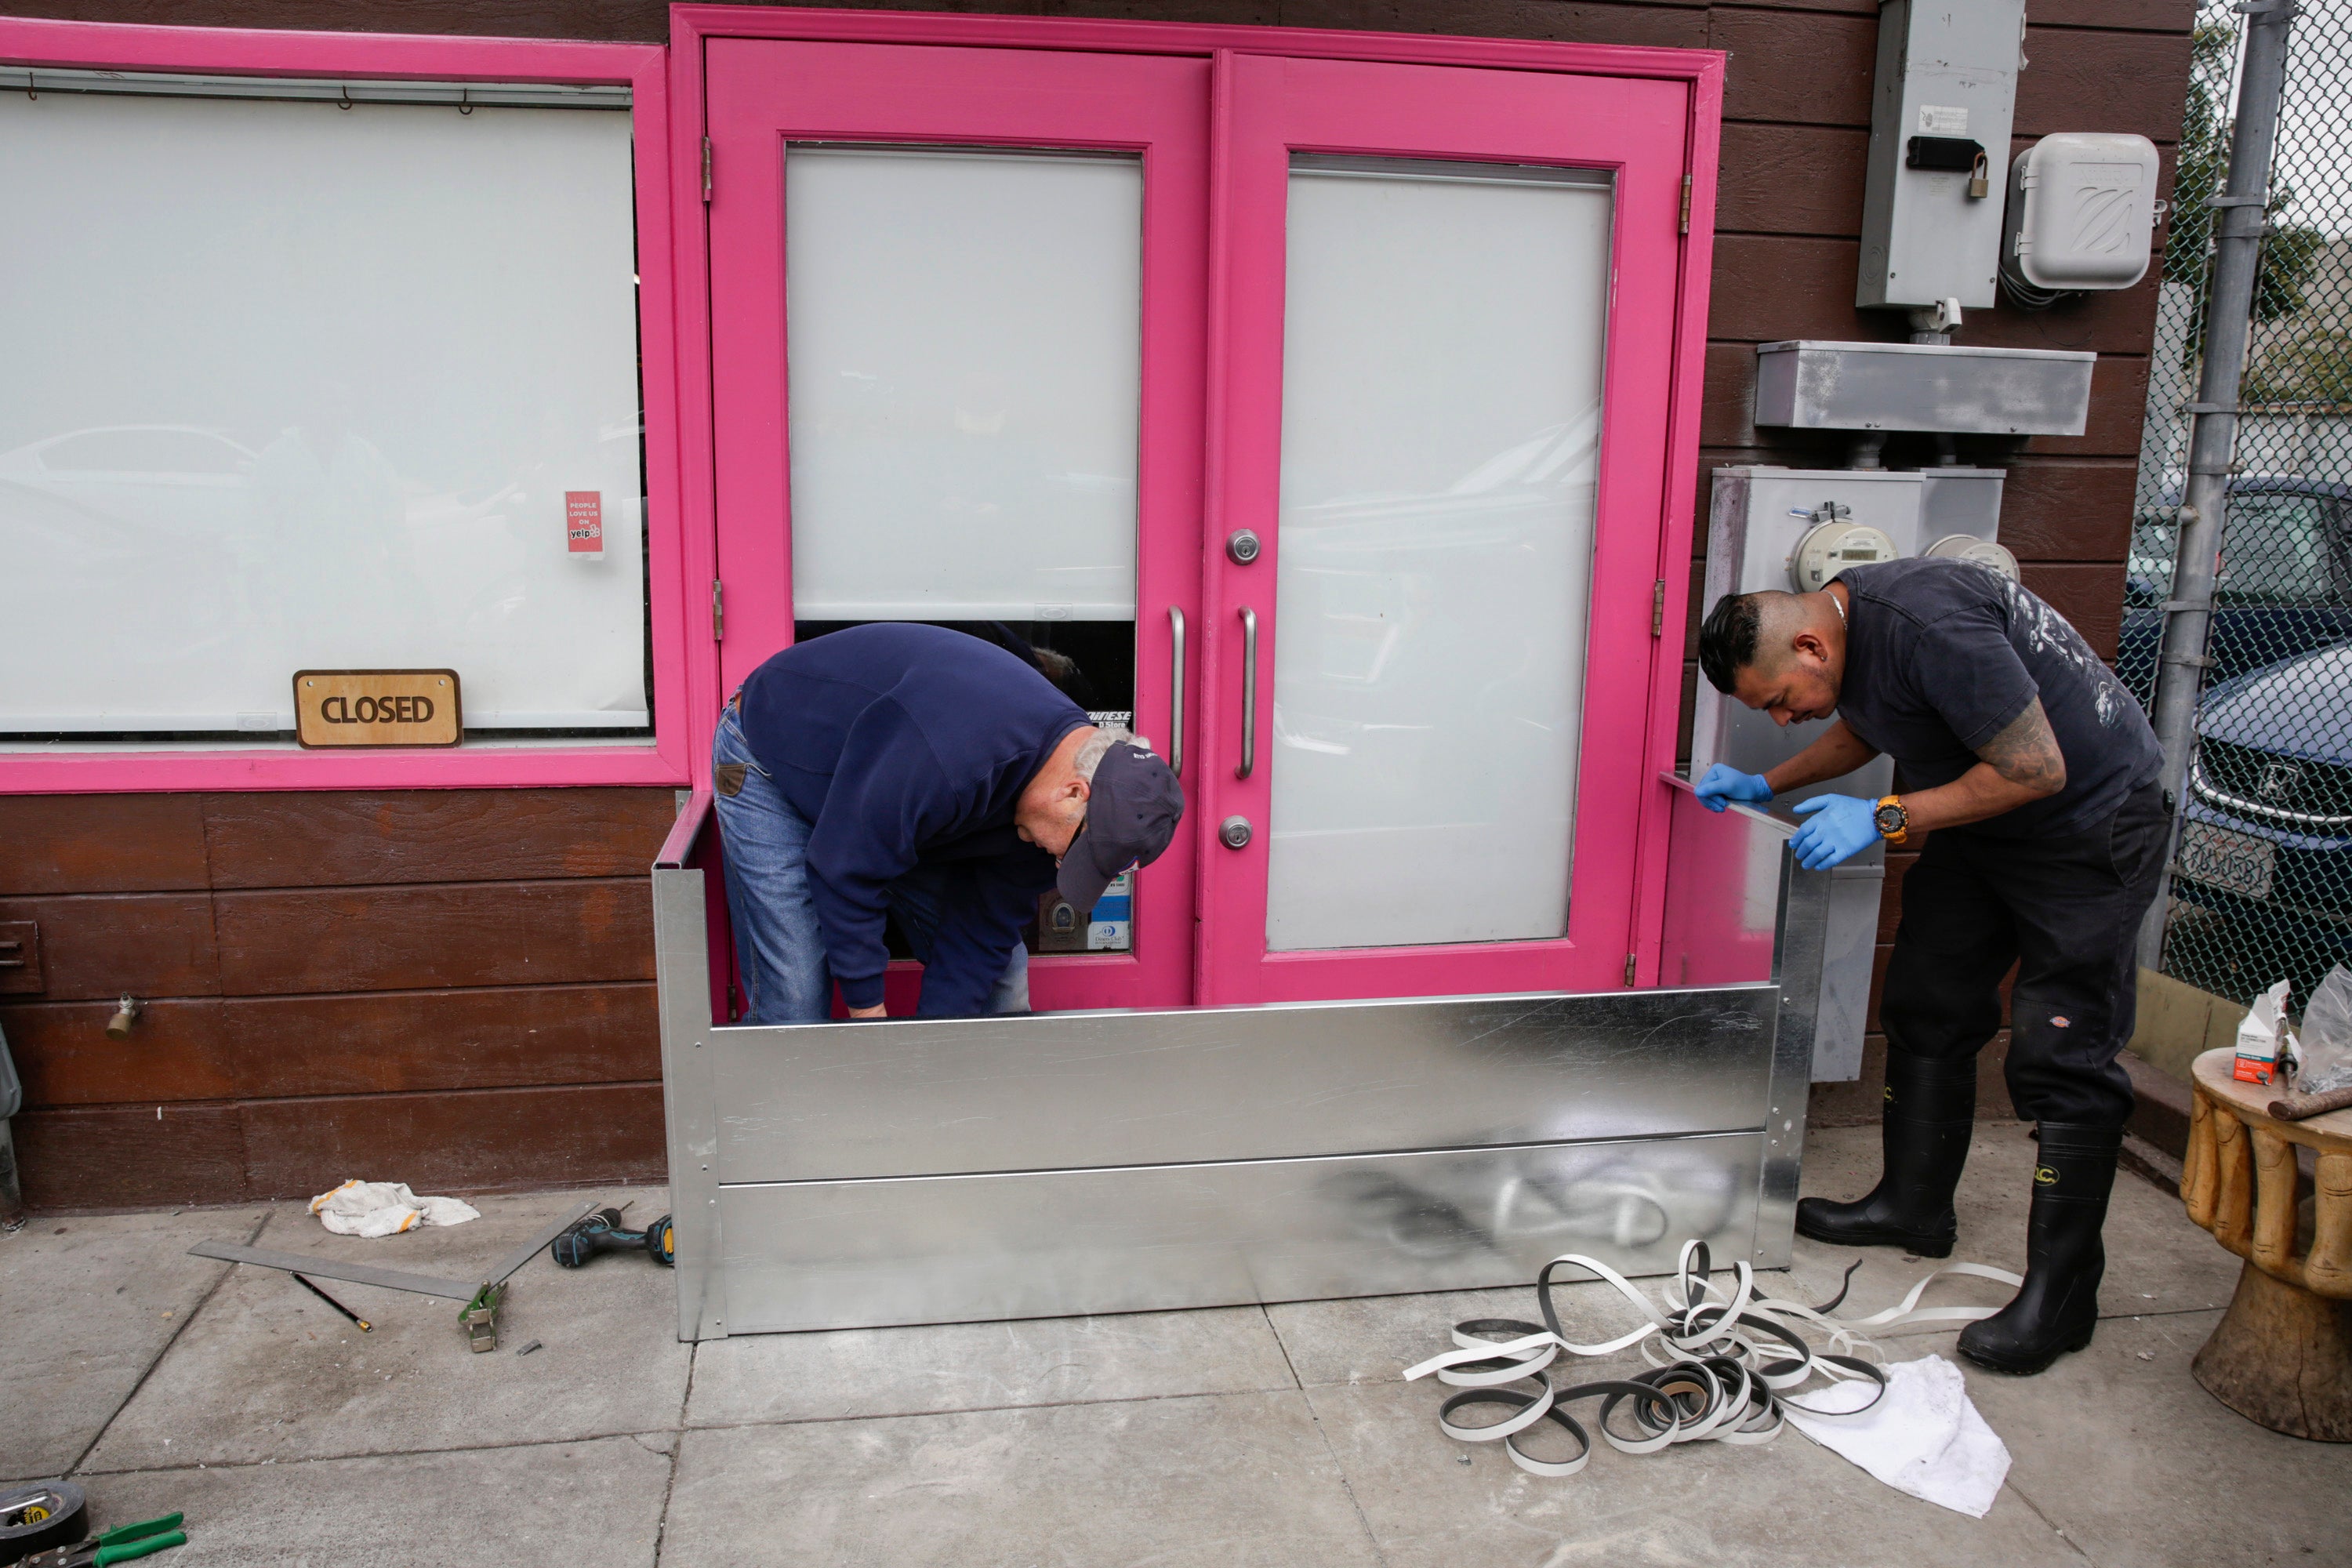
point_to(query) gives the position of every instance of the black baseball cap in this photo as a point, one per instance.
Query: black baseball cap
(1132, 810)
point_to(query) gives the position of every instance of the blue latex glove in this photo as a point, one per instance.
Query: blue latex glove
(1723, 783)
(1842, 826)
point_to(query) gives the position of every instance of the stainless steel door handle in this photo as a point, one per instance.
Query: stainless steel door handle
(1249, 694)
(1176, 690)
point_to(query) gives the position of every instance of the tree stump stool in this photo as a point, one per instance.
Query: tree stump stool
(2282, 1355)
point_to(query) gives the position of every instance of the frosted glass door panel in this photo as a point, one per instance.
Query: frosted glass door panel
(964, 350)
(292, 385)
(1441, 360)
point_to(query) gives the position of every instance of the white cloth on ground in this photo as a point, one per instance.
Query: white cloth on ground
(1924, 1437)
(385, 1208)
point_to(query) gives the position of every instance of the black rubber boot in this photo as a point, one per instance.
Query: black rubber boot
(1923, 1132)
(2058, 1307)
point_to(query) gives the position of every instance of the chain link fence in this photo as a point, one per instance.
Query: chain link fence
(2263, 882)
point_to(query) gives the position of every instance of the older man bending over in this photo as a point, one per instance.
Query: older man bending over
(908, 770)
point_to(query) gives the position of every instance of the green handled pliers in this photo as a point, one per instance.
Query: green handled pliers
(119, 1544)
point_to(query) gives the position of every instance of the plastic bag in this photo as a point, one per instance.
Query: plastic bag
(2325, 1045)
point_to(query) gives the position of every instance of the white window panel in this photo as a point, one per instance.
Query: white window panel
(964, 334)
(1442, 364)
(294, 385)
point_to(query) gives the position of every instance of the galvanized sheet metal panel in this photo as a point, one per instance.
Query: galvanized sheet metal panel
(822, 1101)
(682, 889)
(924, 1170)
(824, 1255)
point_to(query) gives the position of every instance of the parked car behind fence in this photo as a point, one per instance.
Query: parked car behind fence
(2285, 583)
(2263, 877)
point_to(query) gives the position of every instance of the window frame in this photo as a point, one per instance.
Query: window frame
(677, 659)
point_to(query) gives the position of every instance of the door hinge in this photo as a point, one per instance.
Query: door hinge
(718, 611)
(1658, 608)
(705, 178)
(1629, 969)
(1684, 230)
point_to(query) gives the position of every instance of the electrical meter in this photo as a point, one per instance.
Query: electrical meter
(1983, 552)
(1830, 548)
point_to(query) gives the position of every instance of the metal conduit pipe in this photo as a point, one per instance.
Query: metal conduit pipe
(2213, 430)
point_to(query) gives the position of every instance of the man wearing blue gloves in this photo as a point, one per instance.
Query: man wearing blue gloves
(2037, 773)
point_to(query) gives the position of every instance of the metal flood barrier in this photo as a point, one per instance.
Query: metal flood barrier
(921, 1171)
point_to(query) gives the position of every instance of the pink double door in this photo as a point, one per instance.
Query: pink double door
(1310, 416)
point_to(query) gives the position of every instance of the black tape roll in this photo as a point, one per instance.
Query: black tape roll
(65, 1519)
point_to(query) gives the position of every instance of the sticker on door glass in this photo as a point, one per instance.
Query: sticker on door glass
(583, 521)
(1111, 929)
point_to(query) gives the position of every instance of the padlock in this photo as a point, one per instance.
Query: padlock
(1981, 179)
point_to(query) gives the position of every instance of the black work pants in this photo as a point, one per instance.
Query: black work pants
(2067, 912)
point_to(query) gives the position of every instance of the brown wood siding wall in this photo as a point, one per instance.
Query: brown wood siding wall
(453, 989)
(448, 988)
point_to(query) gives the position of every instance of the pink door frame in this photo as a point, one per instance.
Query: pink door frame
(765, 93)
(1675, 265)
(1633, 129)
(683, 664)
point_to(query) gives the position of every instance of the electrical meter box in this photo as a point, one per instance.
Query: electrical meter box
(1759, 531)
(1983, 551)
(1831, 545)
(1959, 499)
(1959, 516)
(1795, 528)
(1939, 120)
(2082, 212)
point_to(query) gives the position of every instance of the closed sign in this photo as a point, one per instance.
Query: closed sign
(377, 708)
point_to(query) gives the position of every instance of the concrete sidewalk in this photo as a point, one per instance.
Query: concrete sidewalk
(1227, 1438)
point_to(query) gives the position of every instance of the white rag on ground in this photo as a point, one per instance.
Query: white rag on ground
(385, 1208)
(1923, 1437)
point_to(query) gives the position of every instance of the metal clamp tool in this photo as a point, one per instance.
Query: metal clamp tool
(479, 1316)
(120, 1544)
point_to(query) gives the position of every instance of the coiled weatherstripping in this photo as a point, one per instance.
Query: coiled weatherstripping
(1723, 1364)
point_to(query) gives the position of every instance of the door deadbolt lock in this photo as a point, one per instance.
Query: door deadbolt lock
(1243, 545)
(1235, 832)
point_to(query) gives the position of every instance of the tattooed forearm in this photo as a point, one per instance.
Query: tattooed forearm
(2026, 753)
(2020, 765)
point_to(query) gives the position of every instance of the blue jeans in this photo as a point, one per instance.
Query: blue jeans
(779, 946)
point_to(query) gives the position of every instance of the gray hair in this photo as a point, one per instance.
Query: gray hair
(1098, 746)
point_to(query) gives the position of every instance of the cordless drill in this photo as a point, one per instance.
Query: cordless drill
(602, 1232)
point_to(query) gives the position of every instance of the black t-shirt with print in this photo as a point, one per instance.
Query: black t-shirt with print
(1941, 655)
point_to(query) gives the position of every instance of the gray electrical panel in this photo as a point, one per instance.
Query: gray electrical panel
(1956, 388)
(1939, 122)
(1760, 516)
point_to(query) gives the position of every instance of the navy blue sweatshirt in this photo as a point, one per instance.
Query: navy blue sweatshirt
(904, 743)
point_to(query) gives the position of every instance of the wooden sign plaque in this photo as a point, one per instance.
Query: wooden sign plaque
(377, 708)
